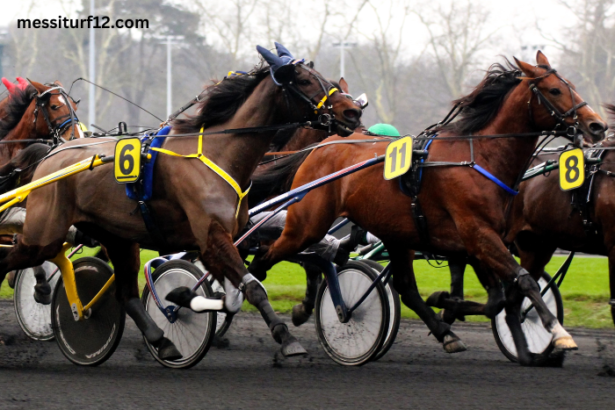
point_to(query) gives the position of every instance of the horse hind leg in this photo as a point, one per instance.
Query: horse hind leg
(302, 311)
(405, 284)
(125, 258)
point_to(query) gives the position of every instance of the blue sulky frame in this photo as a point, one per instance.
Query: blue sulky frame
(286, 200)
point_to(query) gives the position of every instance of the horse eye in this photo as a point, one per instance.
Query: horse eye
(555, 91)
(55, 107)
(304, 82)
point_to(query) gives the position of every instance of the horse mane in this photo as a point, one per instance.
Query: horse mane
(19, 101)
(222, 100)
(481, 105)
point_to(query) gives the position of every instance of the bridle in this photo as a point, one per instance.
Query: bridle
(326, 117)
(571, 130)
(59, 125)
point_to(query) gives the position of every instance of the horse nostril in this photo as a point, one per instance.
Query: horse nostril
(597, 127)
(352, 114)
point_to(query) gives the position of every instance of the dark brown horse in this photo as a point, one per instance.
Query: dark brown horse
(545, 218)
(465, 212)
(196, 208)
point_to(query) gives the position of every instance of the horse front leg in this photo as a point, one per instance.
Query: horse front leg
(486, 245)
(222, 259)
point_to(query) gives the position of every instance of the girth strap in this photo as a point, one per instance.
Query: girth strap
(211, 165)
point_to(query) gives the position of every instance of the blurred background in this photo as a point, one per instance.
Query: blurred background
(411, 57)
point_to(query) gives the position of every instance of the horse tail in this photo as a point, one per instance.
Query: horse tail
(277, 179)
(20, 169)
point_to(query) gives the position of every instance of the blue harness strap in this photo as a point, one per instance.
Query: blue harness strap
(142, 189)
(494, 179)
(477, 167)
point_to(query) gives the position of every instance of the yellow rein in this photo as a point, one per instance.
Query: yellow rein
(324, 99)
(211, 165)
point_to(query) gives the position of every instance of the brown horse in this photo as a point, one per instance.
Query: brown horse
(11, 89)
(197, 208)
(37, 111)
(544, 218)
(464, 211)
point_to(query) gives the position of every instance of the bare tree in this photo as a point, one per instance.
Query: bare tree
(456, 34)
(589, 49)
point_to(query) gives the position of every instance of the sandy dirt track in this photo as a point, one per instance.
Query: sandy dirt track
(415, 374)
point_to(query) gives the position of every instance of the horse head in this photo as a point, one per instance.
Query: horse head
(554, 102)
(53, 110)
(322, 100)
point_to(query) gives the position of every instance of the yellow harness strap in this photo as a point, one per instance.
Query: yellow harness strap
(211, 165)
(324, 99)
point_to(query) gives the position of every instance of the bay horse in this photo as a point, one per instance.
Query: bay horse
(465, 212)
(196, 208)
(545, 218)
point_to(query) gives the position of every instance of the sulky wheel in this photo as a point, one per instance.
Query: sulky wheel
(91, 341)
(192, 333)
(539, 340)
(394, 309)
(33, 317)
(360, 339)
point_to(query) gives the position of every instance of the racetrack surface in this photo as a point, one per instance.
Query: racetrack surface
(415, 374)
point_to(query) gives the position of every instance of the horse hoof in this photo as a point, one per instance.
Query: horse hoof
(453, 344)
(181, 296)
(168, 351)
(435, 299)
(292, 347)
(565, 343)
(42, 293)
(300, 316)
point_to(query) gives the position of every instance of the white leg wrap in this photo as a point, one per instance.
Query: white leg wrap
(233, 299)
(200, 304)
(558, 332)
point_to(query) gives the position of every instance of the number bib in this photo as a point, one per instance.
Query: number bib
(398, 158)
(127, 160)
(571, 169)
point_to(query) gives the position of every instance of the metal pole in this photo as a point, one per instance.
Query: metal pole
(92, 75)
(342, 59)
(169, 89)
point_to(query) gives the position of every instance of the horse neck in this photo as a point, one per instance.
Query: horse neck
(507, 157)
(239, 154)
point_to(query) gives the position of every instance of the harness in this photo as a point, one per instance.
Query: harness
(211, 165)
(581, 197)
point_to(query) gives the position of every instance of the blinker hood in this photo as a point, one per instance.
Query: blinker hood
(281, 65)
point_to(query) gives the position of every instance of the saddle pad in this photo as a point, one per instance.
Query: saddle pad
(143, 188)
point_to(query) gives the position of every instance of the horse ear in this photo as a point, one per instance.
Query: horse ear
(541, 59)
(344, 85)
(23, 84)
(528, 69)
(9, 85)
(273, 60)
(57, 82)
(283, 52)
(40, 88)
